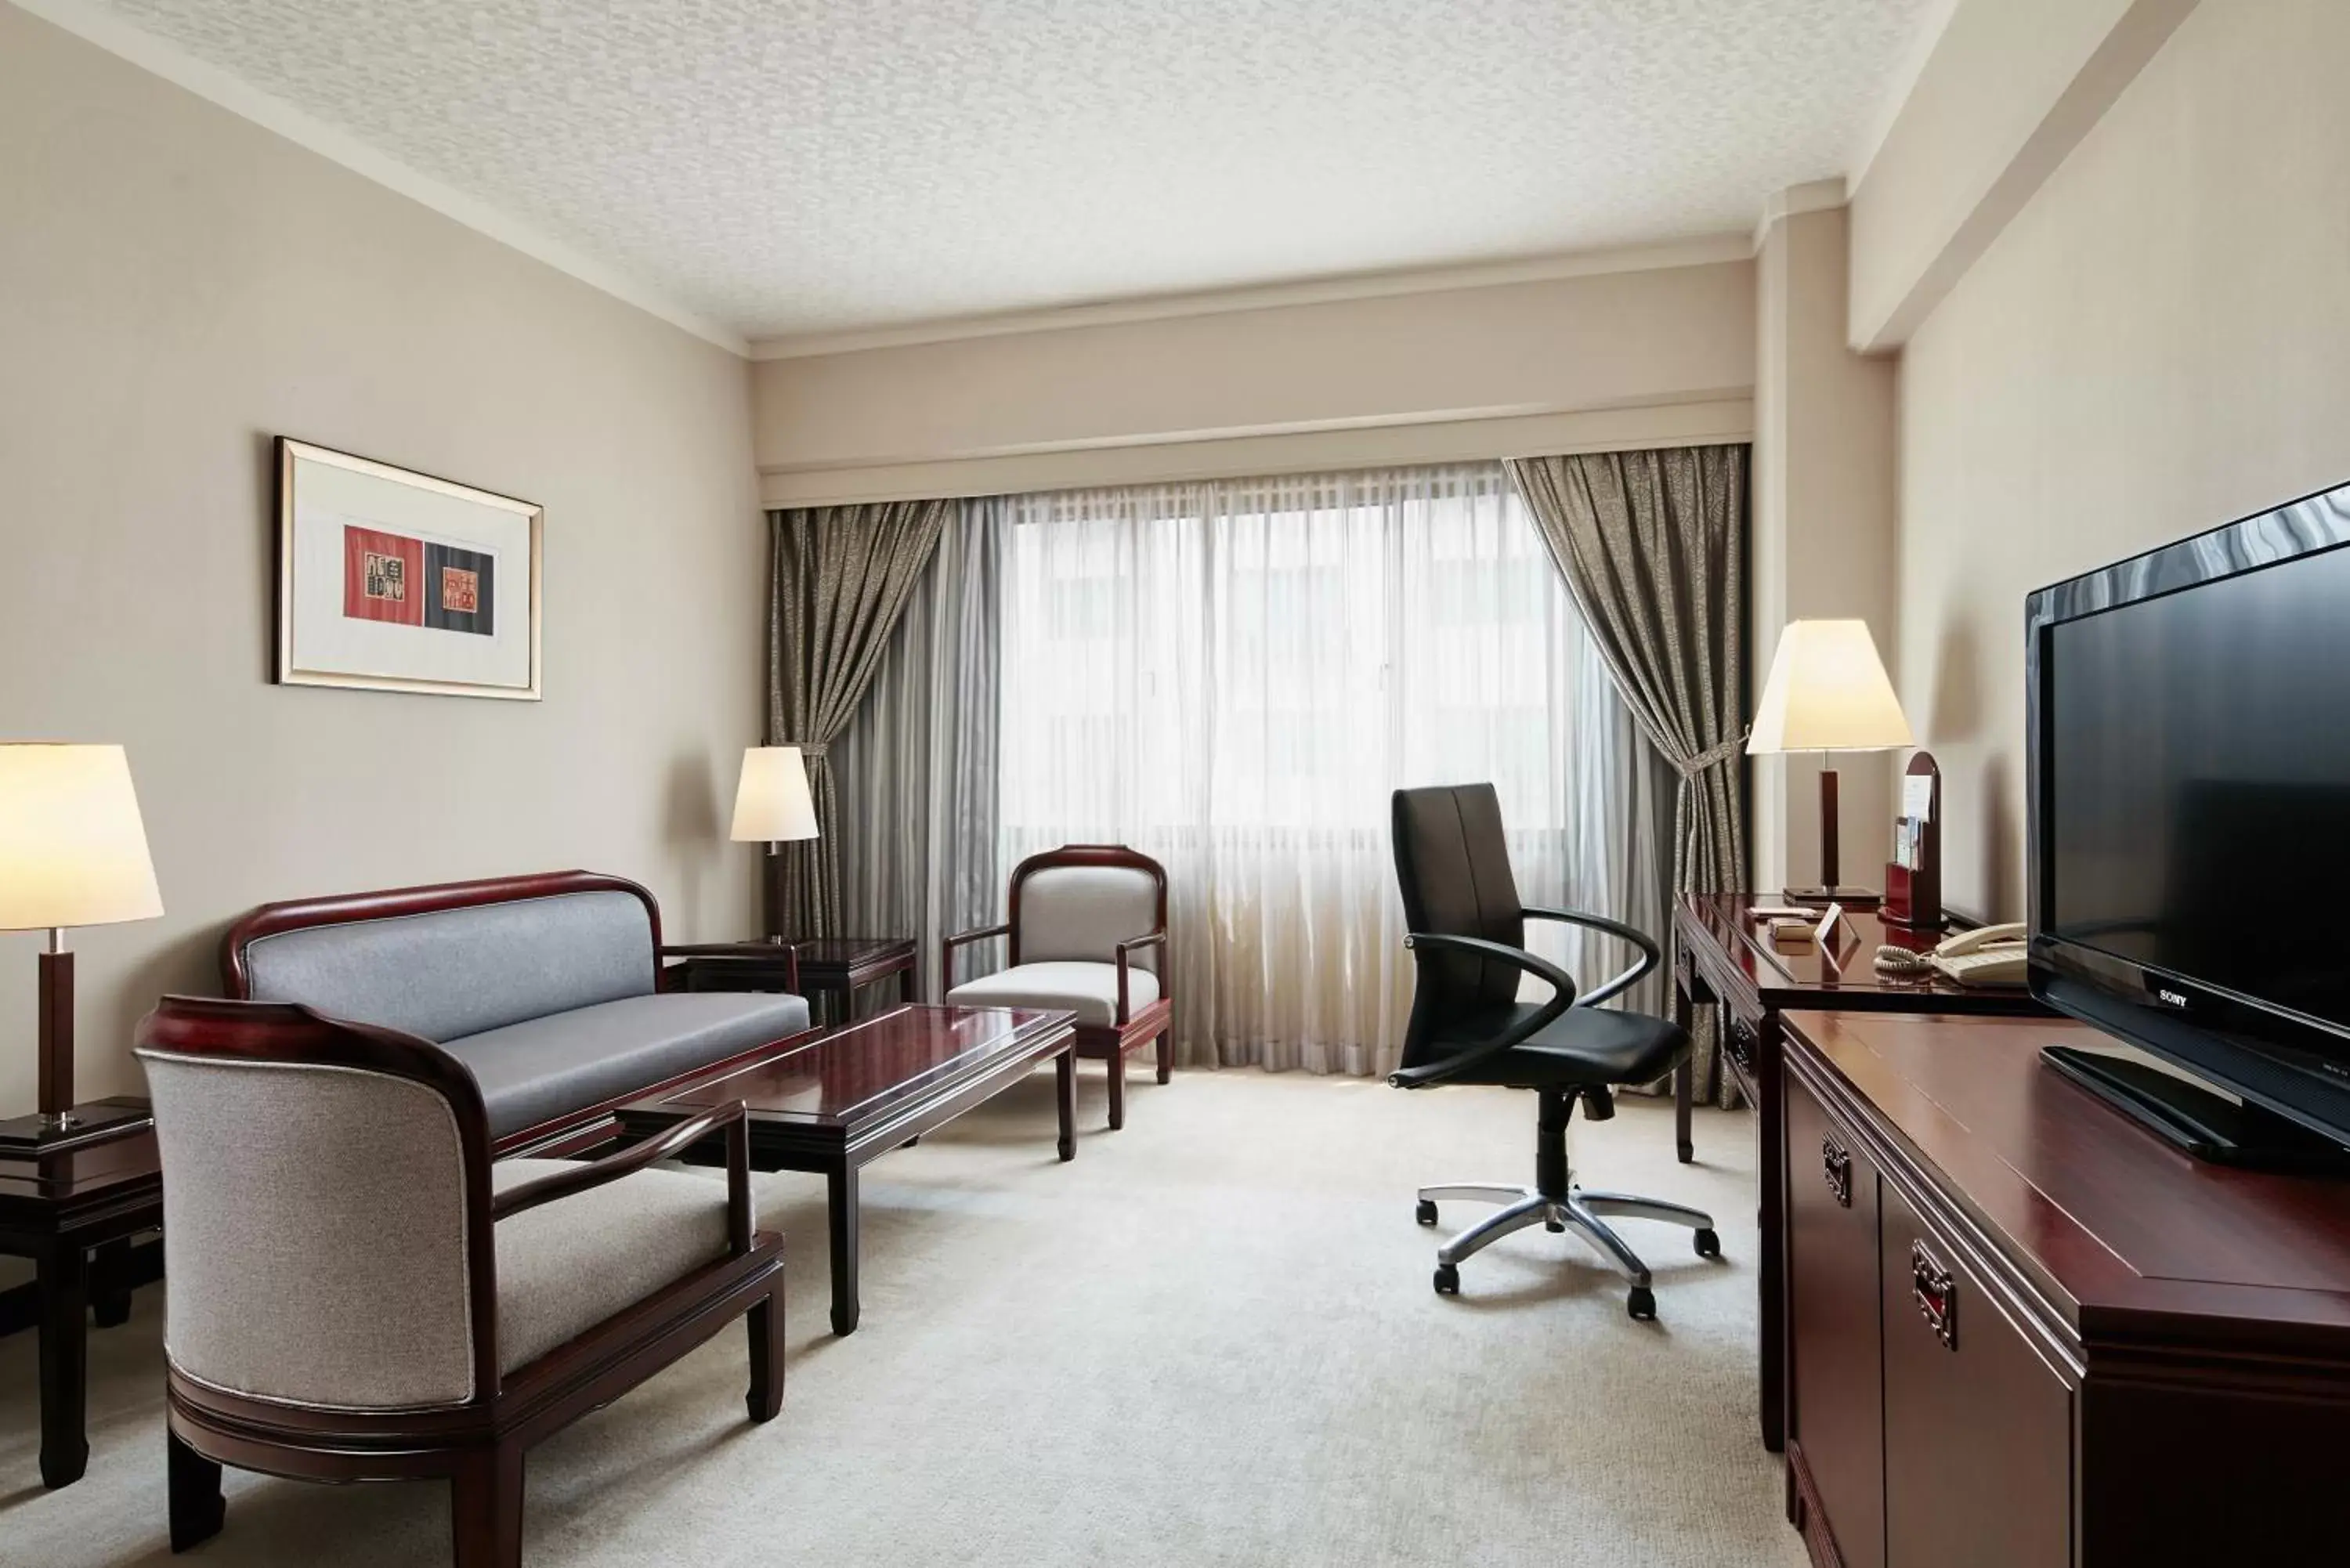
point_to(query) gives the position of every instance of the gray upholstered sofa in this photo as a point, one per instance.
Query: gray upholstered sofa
(550, 989)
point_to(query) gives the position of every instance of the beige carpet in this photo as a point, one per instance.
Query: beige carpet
(1209, 1340)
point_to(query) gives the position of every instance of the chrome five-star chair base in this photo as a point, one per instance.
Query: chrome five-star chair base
(1555, 1204)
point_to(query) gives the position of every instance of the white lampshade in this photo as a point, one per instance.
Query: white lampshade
(772, 802)
(73, 850)
(1827, 691)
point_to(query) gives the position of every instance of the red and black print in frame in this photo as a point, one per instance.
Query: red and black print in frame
(416, 582)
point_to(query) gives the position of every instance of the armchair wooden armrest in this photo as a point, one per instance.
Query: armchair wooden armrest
(962, 939)
(734, 1118)
(1157, 939)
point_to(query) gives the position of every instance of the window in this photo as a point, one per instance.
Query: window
(1233, 676)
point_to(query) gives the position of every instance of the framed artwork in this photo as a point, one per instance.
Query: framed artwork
(394, 581)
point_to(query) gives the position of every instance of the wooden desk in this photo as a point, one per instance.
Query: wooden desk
(54, 1211)
(2026, 1332)
(1721, 961)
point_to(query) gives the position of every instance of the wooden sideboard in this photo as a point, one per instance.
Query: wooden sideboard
(2023, 1332)
(1720, 959)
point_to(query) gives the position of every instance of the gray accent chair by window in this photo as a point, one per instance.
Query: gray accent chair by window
(1089, 933)
(550, 988)
(355, 1291)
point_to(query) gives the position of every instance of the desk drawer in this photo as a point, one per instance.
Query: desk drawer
(1978, 1425)
(1834, 1406)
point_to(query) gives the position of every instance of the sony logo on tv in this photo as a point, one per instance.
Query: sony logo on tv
(2169, 998)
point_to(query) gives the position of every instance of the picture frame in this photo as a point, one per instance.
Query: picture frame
(392, 580)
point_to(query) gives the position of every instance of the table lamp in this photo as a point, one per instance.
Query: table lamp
(1827, 691)
(73, 852)
(772, 803)
(770, 799)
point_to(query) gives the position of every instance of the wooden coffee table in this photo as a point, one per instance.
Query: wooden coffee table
(835, 1103)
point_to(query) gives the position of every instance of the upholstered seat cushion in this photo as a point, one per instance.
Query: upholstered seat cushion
(566, 1266)
(546, 1067)
(1088, 990)
(1583, 1045)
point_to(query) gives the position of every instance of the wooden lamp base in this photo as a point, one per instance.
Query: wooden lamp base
(60, 1123)
(92, 1123)
(1829, 891)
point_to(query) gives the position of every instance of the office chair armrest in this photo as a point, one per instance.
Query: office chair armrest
(1650, 955)
(1562, 997)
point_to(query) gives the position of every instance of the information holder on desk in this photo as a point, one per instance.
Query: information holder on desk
(1913, 877)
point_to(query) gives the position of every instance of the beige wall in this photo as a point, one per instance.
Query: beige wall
(2008, 90)
(2154, 345)
(176, 286)
(1822, 531)
(1613, 358)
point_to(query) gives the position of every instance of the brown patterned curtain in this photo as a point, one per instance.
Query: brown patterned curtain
(1653, 549)
(841, 578)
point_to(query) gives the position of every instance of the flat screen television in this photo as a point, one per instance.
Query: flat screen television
(2189, 797)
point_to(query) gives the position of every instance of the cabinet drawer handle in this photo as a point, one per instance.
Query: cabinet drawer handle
(1936, 1294)
(1836, 1164)
(1740, 1043)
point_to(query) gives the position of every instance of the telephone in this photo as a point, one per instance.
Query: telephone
(1988, 955)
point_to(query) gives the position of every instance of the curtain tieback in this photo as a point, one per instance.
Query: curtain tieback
(809, 749)
(1712, 758)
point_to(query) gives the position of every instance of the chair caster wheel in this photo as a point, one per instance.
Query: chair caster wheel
(1642, 1304)
(1709, 1245)
(1553, 1225)
(1426, 1212)
(1448, 1280)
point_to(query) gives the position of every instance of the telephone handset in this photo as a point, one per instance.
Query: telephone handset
(1988, 955)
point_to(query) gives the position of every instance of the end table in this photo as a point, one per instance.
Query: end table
(827, 970)
(54, 1208)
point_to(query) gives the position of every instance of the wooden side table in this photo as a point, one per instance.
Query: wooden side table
(1721, 961)
(827, 970)
(54, 1211)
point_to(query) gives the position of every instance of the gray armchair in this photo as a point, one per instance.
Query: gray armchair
(355, 1291)
(1087, 932)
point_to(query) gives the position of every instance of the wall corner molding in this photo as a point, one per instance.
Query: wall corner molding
(1702, 250)
(1812, 196)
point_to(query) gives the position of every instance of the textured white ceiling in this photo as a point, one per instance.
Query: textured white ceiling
(788, 166)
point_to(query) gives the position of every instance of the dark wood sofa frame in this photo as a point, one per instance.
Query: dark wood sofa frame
(1096, 1042)
(478, 1445)
(587, 1128)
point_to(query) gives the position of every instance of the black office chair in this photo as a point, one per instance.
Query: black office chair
(1468, 1026)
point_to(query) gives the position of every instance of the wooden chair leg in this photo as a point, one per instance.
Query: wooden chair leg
(1166, 1053)
(197, 1508)
(1117, 1088)
(485, 1508)
(766, 1327)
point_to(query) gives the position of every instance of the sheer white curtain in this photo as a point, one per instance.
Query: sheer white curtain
(1231, 676)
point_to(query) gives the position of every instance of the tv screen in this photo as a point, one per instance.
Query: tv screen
(2200, 785)
(2189, 782)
